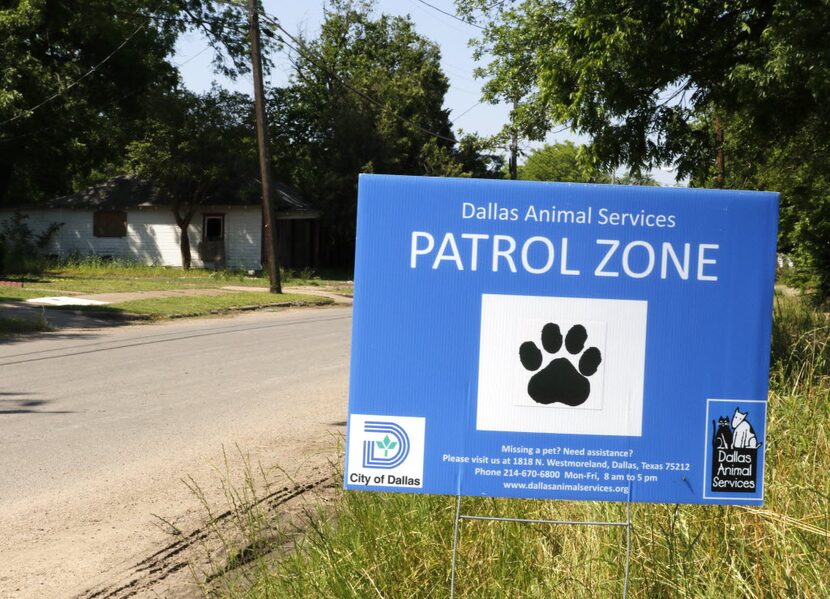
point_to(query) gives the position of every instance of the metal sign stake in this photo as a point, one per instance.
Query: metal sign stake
(459, 516)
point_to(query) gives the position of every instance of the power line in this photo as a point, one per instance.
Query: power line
(296, 48)
(351, 88)
(455, 120)
(190, 20)
(132, 92)
(194, 57)
(148, 17)
(451, 14)
(495, 5)
(57, 94)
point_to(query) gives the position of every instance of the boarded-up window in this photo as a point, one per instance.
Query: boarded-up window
(214, 229)
(109, 223)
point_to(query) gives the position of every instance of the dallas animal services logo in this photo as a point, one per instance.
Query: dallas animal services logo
(736, 446)
(385, 451)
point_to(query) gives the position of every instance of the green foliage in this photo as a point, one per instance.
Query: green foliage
(197, 149)
(568, 162)
(638, 178)
(648, 81)
(47, 45)
(181, 306)
(479, 158)
(561, 162)
(20, 326)
(325, 131)
(15, 294)
(800, 346)
(799, 168)
(20, 247)
(91, 92)
(93, 274)
(638, 80)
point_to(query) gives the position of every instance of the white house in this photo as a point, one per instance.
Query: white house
(126, 218)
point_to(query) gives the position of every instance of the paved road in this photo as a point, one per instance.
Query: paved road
(97, 429)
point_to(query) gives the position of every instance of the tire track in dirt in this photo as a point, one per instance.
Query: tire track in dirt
(158, 567)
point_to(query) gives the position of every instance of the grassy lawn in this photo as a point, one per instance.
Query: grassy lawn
(182, 306)
(58, 284)
(342, 290)
(172, 307)
(91, 276)
(97, 276)
(399, 545)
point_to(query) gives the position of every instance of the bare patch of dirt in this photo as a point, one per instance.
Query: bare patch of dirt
(205, 556)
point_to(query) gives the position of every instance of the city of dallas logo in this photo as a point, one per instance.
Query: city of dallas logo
(385, 450)
(395, 440)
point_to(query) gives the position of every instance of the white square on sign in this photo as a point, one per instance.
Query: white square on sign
(561, 365)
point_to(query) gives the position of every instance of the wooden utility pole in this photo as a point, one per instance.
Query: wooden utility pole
(513, 165)
(269, 230)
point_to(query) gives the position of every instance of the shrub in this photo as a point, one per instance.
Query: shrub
(22, 247)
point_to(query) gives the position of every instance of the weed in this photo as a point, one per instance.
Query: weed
(16, 326)
(257, 515)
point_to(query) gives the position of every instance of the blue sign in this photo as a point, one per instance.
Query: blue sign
(562, 341)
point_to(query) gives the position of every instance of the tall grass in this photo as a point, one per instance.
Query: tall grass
(396, 545)
(98, 267)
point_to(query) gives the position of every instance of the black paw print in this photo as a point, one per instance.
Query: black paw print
(560, 381)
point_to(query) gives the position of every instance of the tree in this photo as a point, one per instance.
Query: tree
(366, 96)
(697, 84)
(197, 149)
(76, 78)
(568, 162)
(638, 80)
(798, 168)
(478, 157)
(561, 162)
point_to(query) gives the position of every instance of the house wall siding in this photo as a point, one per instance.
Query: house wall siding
(152, 235)
(243, 235)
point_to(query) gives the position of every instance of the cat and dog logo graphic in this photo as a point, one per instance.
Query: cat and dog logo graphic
(735, 459)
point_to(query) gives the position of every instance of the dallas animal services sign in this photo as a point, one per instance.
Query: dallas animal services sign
(562, 341)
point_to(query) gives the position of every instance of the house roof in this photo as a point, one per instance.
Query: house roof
(126, 191)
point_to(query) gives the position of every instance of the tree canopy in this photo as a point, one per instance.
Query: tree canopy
(561, 162)
(366, 96)
(89, 90)
(77, 77)
(733, 94)
(645, 79)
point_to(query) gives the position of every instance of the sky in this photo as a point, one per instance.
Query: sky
(467, 113)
